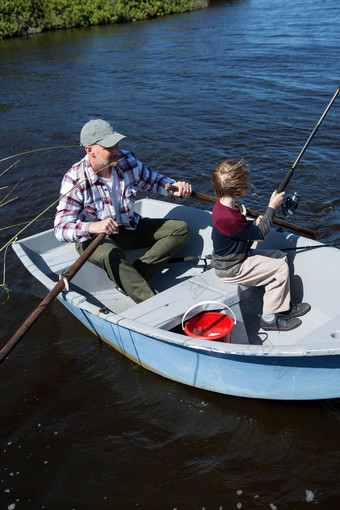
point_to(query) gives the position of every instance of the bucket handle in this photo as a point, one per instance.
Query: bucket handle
(205, 303)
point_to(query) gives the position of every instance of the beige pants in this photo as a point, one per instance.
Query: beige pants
(268, 268)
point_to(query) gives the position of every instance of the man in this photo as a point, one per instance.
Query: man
(98, 195)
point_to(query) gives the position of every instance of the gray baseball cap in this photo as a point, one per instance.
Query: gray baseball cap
(99, 132)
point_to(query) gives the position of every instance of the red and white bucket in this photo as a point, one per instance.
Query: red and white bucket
(208, 325)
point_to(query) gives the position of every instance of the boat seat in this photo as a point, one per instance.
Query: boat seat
(166, 310)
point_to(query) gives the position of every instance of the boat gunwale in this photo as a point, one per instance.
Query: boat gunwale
(205, 346)
(77, 299)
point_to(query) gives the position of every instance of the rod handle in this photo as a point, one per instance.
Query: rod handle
(285, 181)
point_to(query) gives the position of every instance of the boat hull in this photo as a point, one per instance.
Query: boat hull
(302, 364)
(254, 376)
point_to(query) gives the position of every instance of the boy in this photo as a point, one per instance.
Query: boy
(235, 262)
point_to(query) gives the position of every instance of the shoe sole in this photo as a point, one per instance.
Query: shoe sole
(273, 328)
(306, 310)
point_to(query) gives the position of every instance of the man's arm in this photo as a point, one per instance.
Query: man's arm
(67, 224)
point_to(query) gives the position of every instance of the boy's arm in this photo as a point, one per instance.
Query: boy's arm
(253, 232)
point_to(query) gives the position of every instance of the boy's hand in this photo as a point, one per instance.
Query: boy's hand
(276, 199)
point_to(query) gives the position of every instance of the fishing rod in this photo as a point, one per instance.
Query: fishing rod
(291, 203)
(310, 247)
(206, 258)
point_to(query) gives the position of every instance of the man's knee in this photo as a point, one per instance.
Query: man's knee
(179, 228)
(114, 256)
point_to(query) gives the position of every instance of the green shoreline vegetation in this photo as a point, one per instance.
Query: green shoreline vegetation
(28, 17)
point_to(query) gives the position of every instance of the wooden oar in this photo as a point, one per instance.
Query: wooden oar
(286, 224)
(59, 287)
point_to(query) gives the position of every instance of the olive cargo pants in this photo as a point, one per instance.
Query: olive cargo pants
(163, 238)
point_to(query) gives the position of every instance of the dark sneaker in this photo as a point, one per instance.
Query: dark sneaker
(280, 323)
(297, 310)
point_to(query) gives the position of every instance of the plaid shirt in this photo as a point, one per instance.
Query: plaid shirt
(84, 198)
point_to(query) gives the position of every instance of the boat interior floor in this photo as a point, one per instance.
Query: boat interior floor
(180, 290)
(166, 310)
(181, 286)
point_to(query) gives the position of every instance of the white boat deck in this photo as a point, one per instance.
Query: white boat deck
(166, 310)
(184, 284)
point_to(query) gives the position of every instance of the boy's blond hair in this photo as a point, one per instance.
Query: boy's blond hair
(230, 178)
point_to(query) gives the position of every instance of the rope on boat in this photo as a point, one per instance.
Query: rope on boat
(65, 280)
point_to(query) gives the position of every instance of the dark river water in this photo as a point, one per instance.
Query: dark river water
(81, 426)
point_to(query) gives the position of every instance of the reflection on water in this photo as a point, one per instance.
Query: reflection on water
(82, 426)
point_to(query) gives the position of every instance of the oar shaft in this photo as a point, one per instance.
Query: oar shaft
(59, 287)
(31, 319)
(203, 197)
(251, 212)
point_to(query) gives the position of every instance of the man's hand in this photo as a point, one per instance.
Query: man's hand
(107, 226)
(184, 189)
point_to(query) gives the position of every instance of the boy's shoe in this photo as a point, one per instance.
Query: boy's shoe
(297, 310)
(280, 323)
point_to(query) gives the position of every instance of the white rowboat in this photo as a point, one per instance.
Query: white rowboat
(301, 364)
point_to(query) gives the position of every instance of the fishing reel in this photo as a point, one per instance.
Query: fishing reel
(290, 205)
